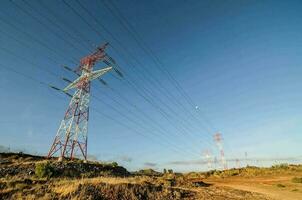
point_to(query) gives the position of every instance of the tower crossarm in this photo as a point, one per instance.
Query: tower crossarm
(87, 77)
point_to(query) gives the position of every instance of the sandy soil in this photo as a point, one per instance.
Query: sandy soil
(278, 188)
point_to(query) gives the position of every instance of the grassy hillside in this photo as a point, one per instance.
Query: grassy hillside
(25, 176)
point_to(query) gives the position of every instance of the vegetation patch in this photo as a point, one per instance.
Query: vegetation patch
(147, 172)
(280, 185)
(44, 170)
(297, 180)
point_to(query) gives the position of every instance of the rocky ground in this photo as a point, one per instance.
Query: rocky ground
(20, 179)
(23, 165)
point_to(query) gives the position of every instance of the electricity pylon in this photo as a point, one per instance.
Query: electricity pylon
(71, 137)
(218, 140)
(207, 154)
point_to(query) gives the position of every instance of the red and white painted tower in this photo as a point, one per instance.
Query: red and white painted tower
(71, 137)
(218, 140)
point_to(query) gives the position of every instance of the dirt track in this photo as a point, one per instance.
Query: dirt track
(278, 188)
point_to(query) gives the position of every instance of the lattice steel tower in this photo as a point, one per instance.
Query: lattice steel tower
(218, 140)
(71, 137)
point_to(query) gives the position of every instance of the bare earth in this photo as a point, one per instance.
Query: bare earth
(268, 186)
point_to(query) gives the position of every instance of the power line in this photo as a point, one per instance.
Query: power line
(75, 12)
(26, 45)
(147, 49)
(42, 43)
(89, 13)
(166, 115)
(33, 64)
(108, 105)
(25, 75)
(131, 120)
(29, 60)
(53, 22)
(41, 23)
(129, 28)
(74, 30)
(147, 77)
(143, 114)
(107, 116)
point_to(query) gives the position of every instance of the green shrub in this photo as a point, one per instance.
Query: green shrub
(109, 164)
(114, 164)
(71, 173)
(44, 170)
(281, 166)
(217, 173)
(149, 172)
(297, 180)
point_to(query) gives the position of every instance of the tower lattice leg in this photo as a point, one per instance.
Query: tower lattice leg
(71, 137)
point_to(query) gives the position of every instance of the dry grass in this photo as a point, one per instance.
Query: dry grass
(65, 189)
(67, 186)
(7, 190)
(297, 180)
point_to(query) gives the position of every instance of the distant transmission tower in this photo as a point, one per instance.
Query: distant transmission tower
(207, 154)
(218, 140)
(238, 163)
(245, 155)
(71, 137)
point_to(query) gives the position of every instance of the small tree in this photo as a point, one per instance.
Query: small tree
(114, 164)
(44, 169)
(165, 171)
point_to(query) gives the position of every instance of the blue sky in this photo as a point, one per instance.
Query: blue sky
(239, 61)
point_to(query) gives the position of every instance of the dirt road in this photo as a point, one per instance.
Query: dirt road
(279, 188)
